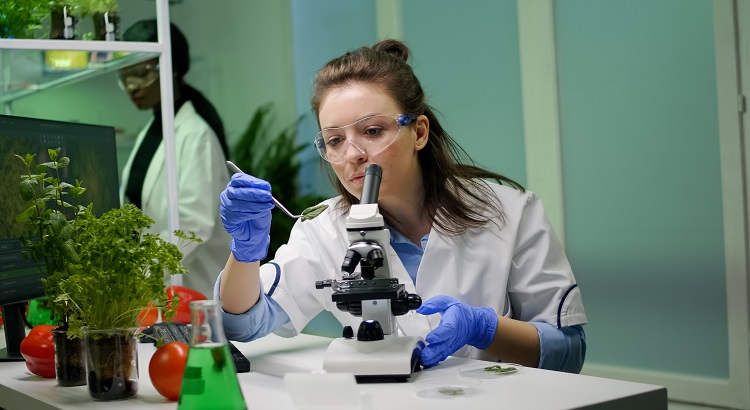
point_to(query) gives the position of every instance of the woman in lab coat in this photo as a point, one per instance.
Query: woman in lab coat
(495, 280)
(201, 152)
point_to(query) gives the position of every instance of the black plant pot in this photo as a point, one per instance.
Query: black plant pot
(57, 24)
(70, 364)
(112, 360)
(100, 28)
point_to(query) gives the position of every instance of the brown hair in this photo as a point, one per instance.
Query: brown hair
(455, 191)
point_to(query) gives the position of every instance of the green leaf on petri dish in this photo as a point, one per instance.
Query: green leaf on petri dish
(451, 391)
(497, 369)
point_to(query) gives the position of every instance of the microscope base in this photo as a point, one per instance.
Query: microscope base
(393, 359)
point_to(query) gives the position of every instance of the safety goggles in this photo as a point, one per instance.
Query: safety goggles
(370, 135)
(138, 77)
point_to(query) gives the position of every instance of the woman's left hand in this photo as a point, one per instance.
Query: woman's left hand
(460, 325)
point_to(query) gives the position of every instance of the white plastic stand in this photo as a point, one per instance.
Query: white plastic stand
(392, 359)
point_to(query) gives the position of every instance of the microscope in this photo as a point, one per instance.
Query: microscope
(377, 353)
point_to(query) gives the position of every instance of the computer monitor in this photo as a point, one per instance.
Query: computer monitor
(93, 160)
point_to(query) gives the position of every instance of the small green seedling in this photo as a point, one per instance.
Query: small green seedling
(313, 211)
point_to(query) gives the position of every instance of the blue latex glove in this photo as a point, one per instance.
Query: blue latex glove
(245, 208)
(460, 325)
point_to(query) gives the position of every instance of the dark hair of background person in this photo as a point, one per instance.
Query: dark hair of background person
(456, 196)
(146, 30)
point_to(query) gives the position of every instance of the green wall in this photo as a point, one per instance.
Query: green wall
(322, 30)
(467, 60)
(642, 181)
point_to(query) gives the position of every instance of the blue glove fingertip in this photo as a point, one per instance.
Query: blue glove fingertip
(436, 304)
(247, 180)
(431, 356)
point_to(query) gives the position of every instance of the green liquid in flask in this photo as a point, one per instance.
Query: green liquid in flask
(210, 380)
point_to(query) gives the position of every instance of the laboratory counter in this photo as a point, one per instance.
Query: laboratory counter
(285, 374)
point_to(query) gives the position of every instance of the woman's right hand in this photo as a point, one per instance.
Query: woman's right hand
(245, 208)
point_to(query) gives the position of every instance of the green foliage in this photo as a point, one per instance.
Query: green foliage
(101, 271)
(49, 218)
(275, 160)
(20, 18)
(120, 269)
(85, 7)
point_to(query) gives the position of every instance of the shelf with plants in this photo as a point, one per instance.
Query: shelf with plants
(26, 72)
(19, 20)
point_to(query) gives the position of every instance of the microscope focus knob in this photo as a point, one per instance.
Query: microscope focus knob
(414, 301)
(369, 330)
(348, 332)
(405, 303)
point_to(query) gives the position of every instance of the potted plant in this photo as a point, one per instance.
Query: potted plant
(274, 158)
(119, 269)
(63, 17)
(106, 18)
(49, 241)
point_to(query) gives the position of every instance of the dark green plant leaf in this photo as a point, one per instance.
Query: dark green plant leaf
(25, 215)
(26, 189)
(69, 251)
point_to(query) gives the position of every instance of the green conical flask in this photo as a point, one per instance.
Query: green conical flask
(210, 380)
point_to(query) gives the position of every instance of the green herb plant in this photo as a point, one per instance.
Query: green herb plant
(120, 269)
(49, 218)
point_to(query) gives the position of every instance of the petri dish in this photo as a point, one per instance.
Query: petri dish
(447, 392)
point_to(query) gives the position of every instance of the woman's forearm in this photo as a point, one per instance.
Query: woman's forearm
(516, 342)
(239, 289)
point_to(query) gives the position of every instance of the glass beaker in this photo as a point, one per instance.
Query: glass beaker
(210, 379)
(112, 363)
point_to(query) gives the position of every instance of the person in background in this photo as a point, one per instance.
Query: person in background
(473, 244)
(201, 150)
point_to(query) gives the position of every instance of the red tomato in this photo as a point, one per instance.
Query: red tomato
(38, 349)
(185, 296)
(166, 368)
(148, 315)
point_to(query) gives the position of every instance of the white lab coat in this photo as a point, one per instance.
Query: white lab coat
(201, 176)
(521, 270)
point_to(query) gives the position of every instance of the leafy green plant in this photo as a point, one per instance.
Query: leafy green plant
(119, 270)
(49, 239)
(274, 158)
(96, 6)
(21, 18)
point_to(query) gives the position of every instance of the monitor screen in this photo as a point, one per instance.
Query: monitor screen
(93, 160)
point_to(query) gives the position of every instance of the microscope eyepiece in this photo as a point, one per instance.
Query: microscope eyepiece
(371, 184)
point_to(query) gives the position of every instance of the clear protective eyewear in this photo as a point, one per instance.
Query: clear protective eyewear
(371, 135)
(138, 77)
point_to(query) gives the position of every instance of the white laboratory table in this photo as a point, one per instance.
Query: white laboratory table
(272, 357)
